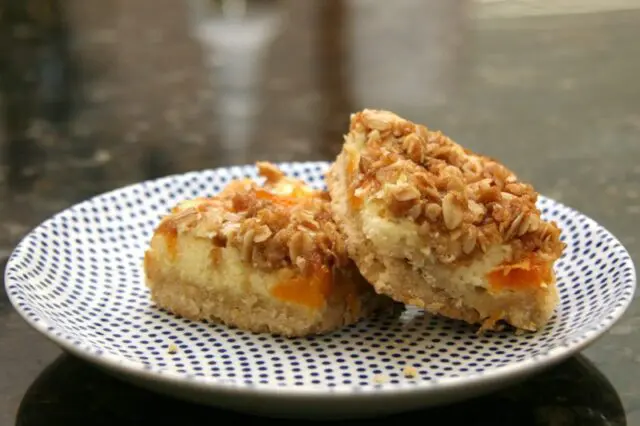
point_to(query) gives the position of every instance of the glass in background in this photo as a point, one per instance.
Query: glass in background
(236, 36)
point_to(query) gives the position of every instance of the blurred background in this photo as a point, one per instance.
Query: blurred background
(97, 94)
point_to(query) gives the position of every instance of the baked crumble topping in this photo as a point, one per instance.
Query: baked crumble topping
(282, 223)
(461, 201)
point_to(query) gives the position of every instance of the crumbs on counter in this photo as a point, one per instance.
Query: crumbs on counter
(172, 349)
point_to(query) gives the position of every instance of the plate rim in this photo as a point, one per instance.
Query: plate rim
(514, 370)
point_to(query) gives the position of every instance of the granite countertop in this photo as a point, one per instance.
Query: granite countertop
(95, 95)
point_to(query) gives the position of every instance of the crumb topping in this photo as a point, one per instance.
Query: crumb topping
(463, 202)
(282, 223)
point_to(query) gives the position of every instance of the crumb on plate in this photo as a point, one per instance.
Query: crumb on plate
(409, 371)
(380, 379)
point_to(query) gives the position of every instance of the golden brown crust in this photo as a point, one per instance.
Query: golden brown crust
(462, 201)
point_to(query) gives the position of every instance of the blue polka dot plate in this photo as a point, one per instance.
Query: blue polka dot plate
(78, 279)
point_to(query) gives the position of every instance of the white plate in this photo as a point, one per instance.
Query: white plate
(78, 279)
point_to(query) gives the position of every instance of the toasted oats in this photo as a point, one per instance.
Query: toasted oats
(477, 211)
(469, 239)
(415, 211)
(533, 224)
(433, 211)
(457, 189)
(405, 192)
(515, 225)
(269, 171)
(472, 169)
(414, 147)
(507, 196)
(374, 137)
(185, 216)
(262, 234)
(451, 211)
(269, 234)
(247, 245)
(378, 124)
(516, 189)
(523, 228)
(455, 183)
(456, 234)
(423, 183)
(489, 195)
(299, 244)
(424, 229)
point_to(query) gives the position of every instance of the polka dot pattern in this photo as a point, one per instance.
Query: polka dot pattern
(78, 278)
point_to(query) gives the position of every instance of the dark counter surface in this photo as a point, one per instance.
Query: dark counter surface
(95, 95)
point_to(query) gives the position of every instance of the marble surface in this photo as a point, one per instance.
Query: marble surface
(95, 95)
